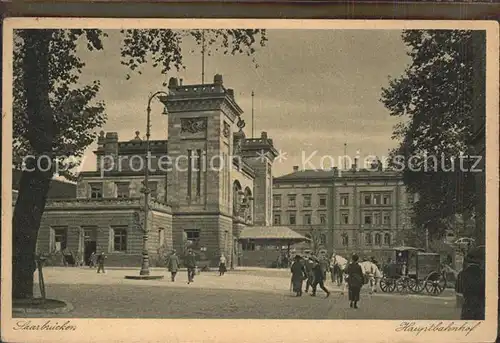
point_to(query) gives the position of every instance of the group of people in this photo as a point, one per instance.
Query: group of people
(353, 275)
(189, 261)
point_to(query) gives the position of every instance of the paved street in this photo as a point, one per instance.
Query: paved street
(238, 294)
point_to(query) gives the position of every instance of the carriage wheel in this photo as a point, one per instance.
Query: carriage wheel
(435, 283)
(402, 285)
(416, 286)
(387, 285)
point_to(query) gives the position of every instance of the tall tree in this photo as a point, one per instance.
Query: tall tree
(55, 119)
(434, 96)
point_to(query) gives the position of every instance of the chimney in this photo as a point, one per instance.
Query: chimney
(180, 82)
(295, 168)
(172, 83)
(218, 79)
(263, 135)
(111, 150)
(230, 92)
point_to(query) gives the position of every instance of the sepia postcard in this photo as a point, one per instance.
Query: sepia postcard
(191, 180)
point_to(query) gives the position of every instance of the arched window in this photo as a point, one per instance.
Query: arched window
(368, 239)
(378, 239)
(237, 193)
(387, 239)
(345, 240)
(322, 239)
(249, 203)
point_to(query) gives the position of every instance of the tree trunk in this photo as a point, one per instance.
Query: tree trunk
(38, 172)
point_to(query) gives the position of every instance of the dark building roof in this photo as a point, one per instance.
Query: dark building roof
(323, 175)
(58, 189)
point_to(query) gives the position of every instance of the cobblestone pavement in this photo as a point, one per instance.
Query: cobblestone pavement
(235, 295)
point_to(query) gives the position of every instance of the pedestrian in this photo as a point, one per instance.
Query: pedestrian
(100, 262)
(319, 279)
(309, 272)
(93, 260)
(324, 264)
(355, 280)
(173, 265)
(190, 263)
(299, 274)
(222, 265)
(473, 286)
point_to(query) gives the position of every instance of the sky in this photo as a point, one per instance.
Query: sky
(314, 91)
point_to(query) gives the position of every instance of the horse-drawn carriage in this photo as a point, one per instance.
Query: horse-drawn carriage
(414, 271)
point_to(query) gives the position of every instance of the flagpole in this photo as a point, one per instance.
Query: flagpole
(253, 122)
(202, 57)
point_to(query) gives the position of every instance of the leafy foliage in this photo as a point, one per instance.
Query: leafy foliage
(434, 96)
(76, 114)
(163, 46)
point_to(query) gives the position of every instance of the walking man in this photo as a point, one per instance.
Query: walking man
(173, 265)
(100, 263)
(355, 280)
(190, 262)
(222, 265)
(309, 272)
(319, 279)
(472, 282)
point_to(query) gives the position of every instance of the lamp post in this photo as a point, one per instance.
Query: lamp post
(144, 274)
(146, 190)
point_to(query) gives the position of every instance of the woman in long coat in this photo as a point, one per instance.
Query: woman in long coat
(472, 282)
(298, 275)
(355, 280)
(173, 265)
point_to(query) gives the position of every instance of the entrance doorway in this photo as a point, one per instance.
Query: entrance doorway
(90, 244)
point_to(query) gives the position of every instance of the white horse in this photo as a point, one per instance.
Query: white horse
(373, 273)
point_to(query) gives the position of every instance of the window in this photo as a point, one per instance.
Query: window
(307, 200)
(307, 219)
(276, 200)
(122, 190)
(387, 219)
(345, 239)
(344, 199)
(322, 239)
(292, 219)
(322, 218)
(291, 201)
(277, 219)
(96, 191)
(376, 218)
(192, 236)
(376, 199)
(153, 189)
(367, 219)
(60, 239)
(344, 217)
(248, 246)
(119, 239)
(161, 237)
(322, 200)
(387, 239)
(368, 239)
(378, 239)
(386, 200)
(368, 199)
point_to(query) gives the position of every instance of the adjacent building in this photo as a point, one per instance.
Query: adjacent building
(357, 210)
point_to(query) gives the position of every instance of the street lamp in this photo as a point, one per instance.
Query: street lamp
(146, 190)
(145, 273)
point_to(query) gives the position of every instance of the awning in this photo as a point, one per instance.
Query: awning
(406, 248)
(271, 233)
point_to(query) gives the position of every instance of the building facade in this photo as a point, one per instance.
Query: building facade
(207, 183)
(358, 210)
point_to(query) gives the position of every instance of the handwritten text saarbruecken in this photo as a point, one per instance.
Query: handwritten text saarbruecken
(47, 326)
(466, 327)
